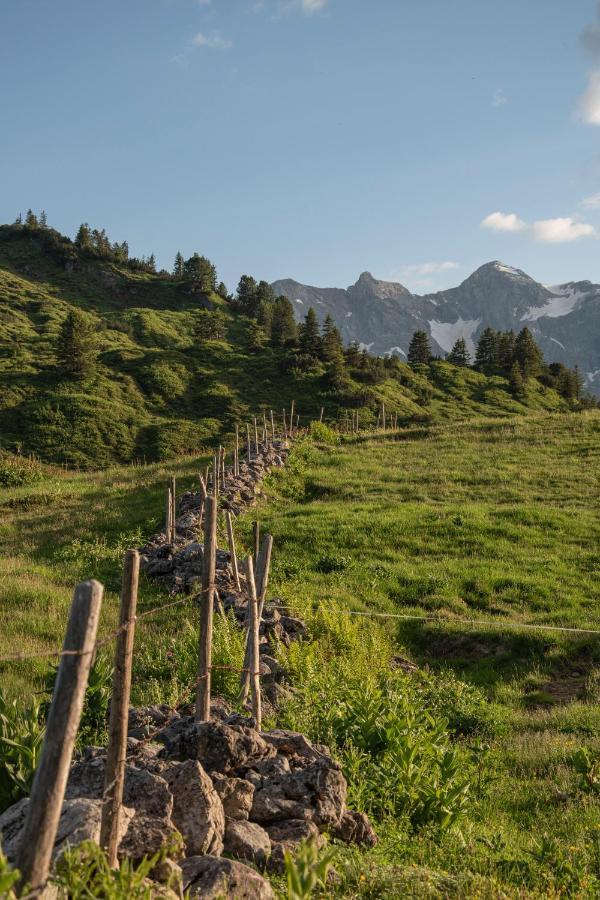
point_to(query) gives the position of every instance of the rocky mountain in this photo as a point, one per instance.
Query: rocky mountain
(382, 315)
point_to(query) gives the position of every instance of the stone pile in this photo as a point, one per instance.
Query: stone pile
(207, 789)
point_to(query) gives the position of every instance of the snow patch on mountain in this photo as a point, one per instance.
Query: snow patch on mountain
(508, 270)
(366, 347)
(298, 300)
(555, 307)
(348, 315)
(447, 333)
(558, 342)
(393, 350)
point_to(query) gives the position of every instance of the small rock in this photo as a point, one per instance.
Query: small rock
(219, 747)
(247, 840)
(236, 795)
(355, 828)
(215, 879)
(197, 808)
(147, 835)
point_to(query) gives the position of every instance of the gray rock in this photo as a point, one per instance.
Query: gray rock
(236, 795)
(248, 841)
(197, 808)
(219, 747)
(147, 835)
(355, 828)
(143, 790)
(316, 792)
(216, 879)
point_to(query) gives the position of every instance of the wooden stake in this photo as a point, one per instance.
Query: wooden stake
(248, 442)
(322, 412)
(265, 431)
(256, 541)
(383, 415)
(285, 433)
(255, 436)
(169, 516)
(232, 553)
(292, 419)
(203, 489)
(48, 790)
(209, 558)
(262, 580)
(174, 504)
(216, 475)
(272, 427)
(254, 644)
(119, 711)
(236, 459)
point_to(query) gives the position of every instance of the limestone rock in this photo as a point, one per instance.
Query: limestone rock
(247, 840)
(316, 792)
(355, 828)
(219, 747)
(197, 808)
(236, 795)
(215, 879)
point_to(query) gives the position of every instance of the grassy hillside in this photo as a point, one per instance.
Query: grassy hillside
(482, 526)
(159, 389)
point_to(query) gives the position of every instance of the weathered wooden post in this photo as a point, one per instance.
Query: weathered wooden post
(222, 468)
(272, 427)
(203, 488)
(254, 645)
(249, 445)
(265, 429)
(232, 553)
(169, 517)
(322, 413)
(236, 459)
(285, 431)
(261, 582)
(215, 475)
(292, 419)
(48, 790)
(256, 541)
(119, 710)
(383, 415)
(209, 558)
(174, 504)
(255, 436)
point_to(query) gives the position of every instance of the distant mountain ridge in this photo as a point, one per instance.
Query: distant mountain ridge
(382, 315)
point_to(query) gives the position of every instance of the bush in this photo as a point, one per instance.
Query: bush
(18, 470)
(323, 434)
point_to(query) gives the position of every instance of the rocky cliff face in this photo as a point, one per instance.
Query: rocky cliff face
(382, 316)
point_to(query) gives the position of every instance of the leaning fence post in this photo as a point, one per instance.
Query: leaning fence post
(206, 610)
(232, 553)
(216, 475)
(255, 436)
(292, 419)
(285, 433)
(261, 583)
(322, 413)
(253, 640)
(249, 445)
(45, 803)
(119, 710)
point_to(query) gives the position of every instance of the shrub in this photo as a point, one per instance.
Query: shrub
(94, 718)
(18, 470)
(307, 870)
(323, 434)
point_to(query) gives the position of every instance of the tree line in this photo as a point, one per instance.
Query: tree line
(513, 356)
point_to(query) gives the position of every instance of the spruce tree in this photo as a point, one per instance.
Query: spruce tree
(264, 316)
(31, 219)
(486, 355)
(178, 266)
(201, 272)
(222, 291)
(309, 336)
(83, 238)
(332, 348)
(151, 264)
(528, 354)
(419, 349)
(19, 220)
(459, 355)
(505, 351)
(283, 323)
(517, 382)
(256, 337)
(247, 295)
(43, 219)
(75, 348)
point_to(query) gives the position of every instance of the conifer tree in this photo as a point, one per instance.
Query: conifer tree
(222, 291)
(256, 337)
(486, 355)
(31, 219)
(43, 219)
(75, 348)
(19, 220)
(179, 265)
(419, 349)
(264, 316)
(283, 323)
(517, 382)
(247, 295)
(201, 272)
(151, 264)
(352, 354)
(83, 238)
(459, 355)
(309, 339)
(505, 351)
(332, 348)
(528, 354)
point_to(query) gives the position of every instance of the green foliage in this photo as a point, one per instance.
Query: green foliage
(75, 349)
(21, 739)
(8, 879)
(459, 354)
(323, 434)
(419, 349)
(94, 717)
(587, 765)
(85, 872)
(306, 870)
(16, 471)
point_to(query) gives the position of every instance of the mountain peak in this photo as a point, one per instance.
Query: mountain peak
(366, 278)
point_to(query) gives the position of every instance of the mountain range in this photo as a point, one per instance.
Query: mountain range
(382, 316)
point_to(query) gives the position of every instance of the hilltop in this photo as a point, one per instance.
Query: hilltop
(178, 361)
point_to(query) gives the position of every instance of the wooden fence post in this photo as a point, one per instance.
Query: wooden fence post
(119, 710)
(169, 516)
(285, 434)
(265, 429)
(48, 790)
(215, 476)
(292, 419)
(236, 459)
(256, 541)
(322, 413)
(253, 637)
(261, 584)
(255, 436)
(248, 441)
(174, 504)
(206, 610)
(232, 553)
(272, 427)
(203, 490)
(383, 415)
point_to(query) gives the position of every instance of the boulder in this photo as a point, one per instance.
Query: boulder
(143, 790)
(218, 746)
(291, 743)
(236, 795)
(197, 808)
(79, 821)
(247, 840)
(213, 879)
(147, 835)
(316, 792)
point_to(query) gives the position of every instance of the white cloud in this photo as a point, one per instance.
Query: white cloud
(312, 6)
(214, 41)
(308, 7)
(499, 98)
(588, 108)
(499, 221)
(429, 268)
(561, 230)
(592, 202)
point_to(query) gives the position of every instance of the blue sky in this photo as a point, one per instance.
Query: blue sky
(312, 139)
